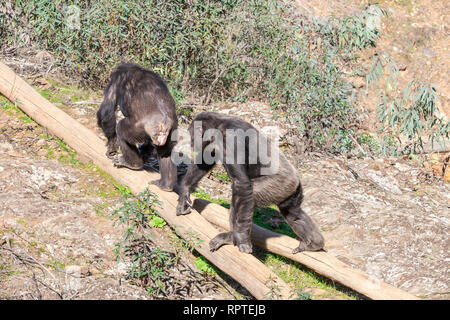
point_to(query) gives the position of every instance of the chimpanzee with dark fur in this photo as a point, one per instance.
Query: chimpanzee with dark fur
(250, 188)
(150, 118)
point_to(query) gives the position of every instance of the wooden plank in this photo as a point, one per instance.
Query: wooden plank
(244, 268)
(89, 145)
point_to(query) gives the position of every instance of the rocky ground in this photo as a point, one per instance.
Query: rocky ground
(56, 232)
(388, 217)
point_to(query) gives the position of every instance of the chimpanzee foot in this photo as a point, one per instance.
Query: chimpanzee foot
(162, 185)
(220, 240)
(120, 162)
(246, 247)
(183, 209)
(112, 149)
(302, 247)
(183, 206)
(308, 246)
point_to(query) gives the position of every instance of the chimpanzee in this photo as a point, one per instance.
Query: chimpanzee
(260, 174)
(149, 120)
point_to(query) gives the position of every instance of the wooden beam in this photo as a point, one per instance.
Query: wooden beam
(240, 266)
(244, 268)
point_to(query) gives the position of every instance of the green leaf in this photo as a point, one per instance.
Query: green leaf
(157, 222)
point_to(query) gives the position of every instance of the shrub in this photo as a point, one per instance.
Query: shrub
(408, 118)
(216, 49)
(415, 116)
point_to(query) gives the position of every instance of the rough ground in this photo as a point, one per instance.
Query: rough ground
(388, 217)
(56, 234)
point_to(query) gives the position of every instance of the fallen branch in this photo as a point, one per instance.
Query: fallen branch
(85, 102)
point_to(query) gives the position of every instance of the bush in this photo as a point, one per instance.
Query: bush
(408, 118)
(215, 49)
(415, 116)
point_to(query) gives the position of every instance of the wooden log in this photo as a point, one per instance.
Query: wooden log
(321, 262)
(89, 145)
(244, 268)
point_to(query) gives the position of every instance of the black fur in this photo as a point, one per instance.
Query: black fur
(150, 118)
(251, 189)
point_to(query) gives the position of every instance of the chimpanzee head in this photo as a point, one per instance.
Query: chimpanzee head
(158, 128)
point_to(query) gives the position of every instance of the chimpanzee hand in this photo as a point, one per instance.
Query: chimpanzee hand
(120, 162)
(112, 148)
(183, 206)
(162, 185)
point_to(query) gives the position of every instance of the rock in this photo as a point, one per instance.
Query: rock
(42, 83)
(41, 142)
(388, 183)
(5, 147)
(437, 170)
(428, 52)
(77, 271)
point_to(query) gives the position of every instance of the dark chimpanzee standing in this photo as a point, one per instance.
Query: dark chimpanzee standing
(150, 118)
(251, 188)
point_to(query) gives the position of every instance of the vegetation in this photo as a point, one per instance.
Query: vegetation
(149, 264)
(216, 49)
(156, 269)
(410, 113)
(236, 50)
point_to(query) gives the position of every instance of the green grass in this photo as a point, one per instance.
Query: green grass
(300, 277)
(13, 110)
(100, 209)
(203, 195)
(222, 176)
(262, 215)
(204, 265)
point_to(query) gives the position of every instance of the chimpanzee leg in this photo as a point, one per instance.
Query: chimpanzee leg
(309, 234)
(241, 213)
(243, 204)
(167, 168)
(106, 119)
(128, 136)
(224, 237)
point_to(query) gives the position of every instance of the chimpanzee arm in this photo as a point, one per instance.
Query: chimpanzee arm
(106, 118)
(193, 175)
(167, 168)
